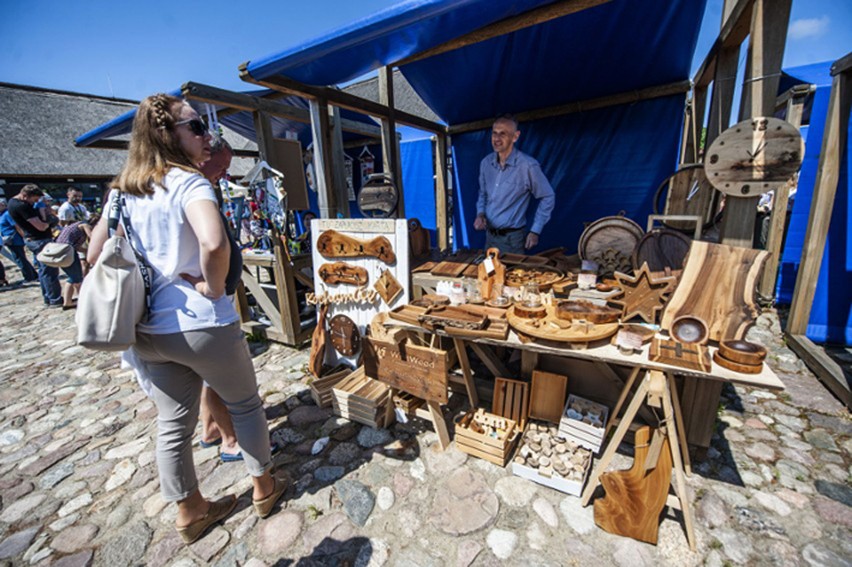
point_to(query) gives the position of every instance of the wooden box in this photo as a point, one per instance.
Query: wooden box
(360, 398)
(550, 478)
(321, 387)
(497, 450)
(581, 431)
(547, 396)
(511, 399)
(421, 371)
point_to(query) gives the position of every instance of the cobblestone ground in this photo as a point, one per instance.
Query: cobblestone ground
(79, 485)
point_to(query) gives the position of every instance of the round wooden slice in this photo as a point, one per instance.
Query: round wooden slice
(743, 352)
(522, 310)
(754, 156)
(580, 310)
(610, 242)
(737, 366)
(661, 249)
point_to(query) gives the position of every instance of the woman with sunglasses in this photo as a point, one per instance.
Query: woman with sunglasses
(192, 333)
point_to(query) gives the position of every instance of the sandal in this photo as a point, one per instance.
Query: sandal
(264, 506)
(218, 510)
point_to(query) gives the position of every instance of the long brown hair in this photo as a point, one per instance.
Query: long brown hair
(154, 147)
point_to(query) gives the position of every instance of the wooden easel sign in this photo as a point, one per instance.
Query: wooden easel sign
(420, 371)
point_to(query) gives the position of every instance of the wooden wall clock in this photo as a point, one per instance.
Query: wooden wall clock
(344, 335)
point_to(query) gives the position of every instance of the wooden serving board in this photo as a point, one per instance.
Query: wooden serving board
(547, 396)
(453, 266)
(333, 244)
(341, 272)
(730, 307)
(553, 329)
(443, 316)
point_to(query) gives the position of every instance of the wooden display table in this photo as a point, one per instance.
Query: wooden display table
(278, 299)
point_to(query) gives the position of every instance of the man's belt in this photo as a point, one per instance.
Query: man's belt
(503, 231)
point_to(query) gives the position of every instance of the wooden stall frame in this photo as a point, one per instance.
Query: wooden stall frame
(834, 143)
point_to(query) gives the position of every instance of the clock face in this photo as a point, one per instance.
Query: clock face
(345, 337)
(754, 156)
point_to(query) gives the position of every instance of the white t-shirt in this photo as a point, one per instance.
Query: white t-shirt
(69, 212)
(164, 237)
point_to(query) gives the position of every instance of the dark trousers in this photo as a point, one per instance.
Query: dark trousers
(20, 257)
(48, 277)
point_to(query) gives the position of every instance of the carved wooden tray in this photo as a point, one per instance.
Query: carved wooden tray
(554, 329)
(542, 276)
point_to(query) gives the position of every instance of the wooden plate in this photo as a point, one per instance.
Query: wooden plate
(577, 310)
(661, 249)
(736, 366)
(743, 352)
(554, 329)
(610, 242)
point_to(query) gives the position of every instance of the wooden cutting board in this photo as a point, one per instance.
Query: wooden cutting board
(453, 266)
(718, 285)
(547, 396)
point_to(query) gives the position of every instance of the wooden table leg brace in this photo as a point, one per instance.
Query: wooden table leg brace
(654, 384)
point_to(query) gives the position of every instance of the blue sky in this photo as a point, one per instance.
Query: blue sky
(133, 49)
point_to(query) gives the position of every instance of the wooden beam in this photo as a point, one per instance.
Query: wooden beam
(263, 129)
(338, 163)
(826, 369)
(825, 187)
(506, 26)
(324, 178)
(693, 124)
(341, 99)
(441, 217)
(390, 142)
(735, 29)
(842, 65)
(244, 102)
(769, 22)
(679, 87)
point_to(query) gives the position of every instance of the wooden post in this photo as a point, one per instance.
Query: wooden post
(322, 159)
(825, 187)
(769, 21)
(338, 164)
(778, 216)
(441, 220)
(390, 141)
(693, 124)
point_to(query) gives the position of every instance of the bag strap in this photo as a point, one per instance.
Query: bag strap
(118, 209)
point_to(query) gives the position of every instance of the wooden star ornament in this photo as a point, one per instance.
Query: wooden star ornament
(643, 296)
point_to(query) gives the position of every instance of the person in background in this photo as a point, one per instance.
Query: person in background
(508, 179)
(76, 235)
(37, 233)
(192, 333)
(73, 210)
(13, 242)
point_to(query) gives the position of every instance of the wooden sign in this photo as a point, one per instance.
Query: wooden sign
(420, 371)
(341, 272)
(692, 356)
(728, 307)
(643, 296)
(754, 156)
(388, 287)
(333, 244)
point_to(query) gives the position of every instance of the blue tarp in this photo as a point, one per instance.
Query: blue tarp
(831, 314)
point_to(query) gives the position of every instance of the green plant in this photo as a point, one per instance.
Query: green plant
(314, 512)
(715, 544)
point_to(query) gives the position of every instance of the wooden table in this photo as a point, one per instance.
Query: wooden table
(656, 386)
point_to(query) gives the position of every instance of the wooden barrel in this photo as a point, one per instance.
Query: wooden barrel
(661, 249)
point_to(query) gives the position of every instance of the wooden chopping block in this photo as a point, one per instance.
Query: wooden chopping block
(636, 497)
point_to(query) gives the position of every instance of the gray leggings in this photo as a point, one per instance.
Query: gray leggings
(177, 364)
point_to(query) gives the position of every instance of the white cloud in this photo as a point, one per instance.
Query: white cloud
(809, 27)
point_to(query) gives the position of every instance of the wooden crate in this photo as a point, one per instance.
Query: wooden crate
(494, 450)
(511, 399)
(360, 398)
(547, 396)
(589, 436)
(321, 387)
(407, 402)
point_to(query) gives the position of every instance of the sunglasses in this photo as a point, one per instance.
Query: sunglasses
(196, 126)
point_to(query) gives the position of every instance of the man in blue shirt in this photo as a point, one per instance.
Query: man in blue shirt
(14, 242)
(508, 179)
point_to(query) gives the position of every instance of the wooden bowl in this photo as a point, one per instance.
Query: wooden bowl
(576, 310)
(743, 352)
(737, 366)
(537, 312)
(688, 329)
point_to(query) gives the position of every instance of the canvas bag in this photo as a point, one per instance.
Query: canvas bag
(115, 294)
(57, 255)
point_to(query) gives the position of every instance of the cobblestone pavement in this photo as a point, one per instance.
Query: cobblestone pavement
(79, 485)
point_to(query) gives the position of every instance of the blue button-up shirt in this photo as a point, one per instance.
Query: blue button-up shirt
(8, 230)
(505, 192)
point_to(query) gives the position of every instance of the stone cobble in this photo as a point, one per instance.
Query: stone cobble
(78, 481)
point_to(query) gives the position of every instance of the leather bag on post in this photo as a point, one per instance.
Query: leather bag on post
(114, 295)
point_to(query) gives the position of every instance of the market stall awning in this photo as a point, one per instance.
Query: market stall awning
(615, 47)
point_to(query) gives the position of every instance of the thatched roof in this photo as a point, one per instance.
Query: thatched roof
(404, 97)
(38, 127)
